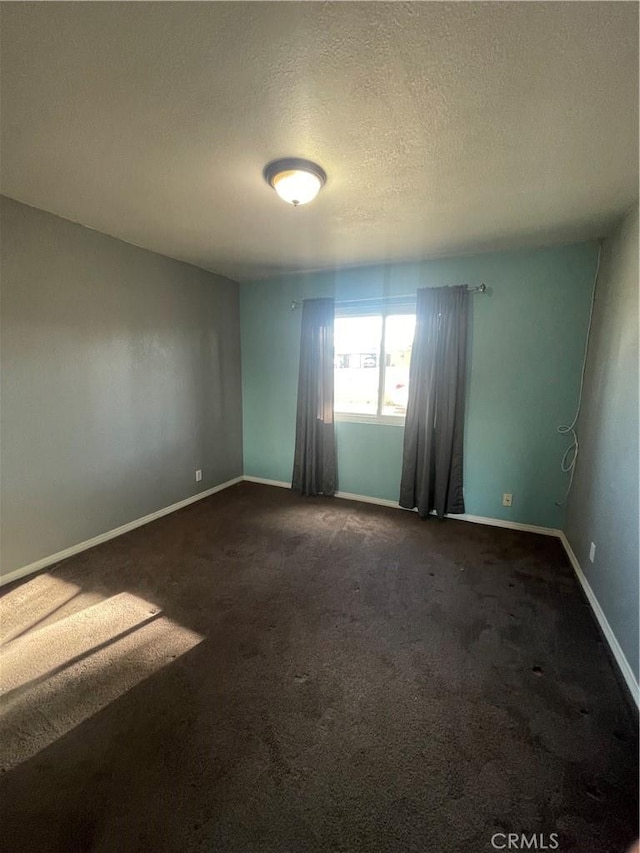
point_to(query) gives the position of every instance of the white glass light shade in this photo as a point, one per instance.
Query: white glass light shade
(297, 187)
(296, 181)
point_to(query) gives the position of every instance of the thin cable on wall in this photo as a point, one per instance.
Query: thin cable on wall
(568, 462)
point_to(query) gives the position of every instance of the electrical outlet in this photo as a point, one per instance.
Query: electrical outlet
(592, 552)
(506, 499)
(198, 475)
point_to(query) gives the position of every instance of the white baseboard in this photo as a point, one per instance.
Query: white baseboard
(365, 499)
(603, 622)
(475, 519)
(21, 572)
(111, 534)
(509, 525)
(280, 483)
(616, 650)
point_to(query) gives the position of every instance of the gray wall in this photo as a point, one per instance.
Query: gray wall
(120, 376)
(603, 506)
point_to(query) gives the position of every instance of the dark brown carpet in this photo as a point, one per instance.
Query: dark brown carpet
(319, 675)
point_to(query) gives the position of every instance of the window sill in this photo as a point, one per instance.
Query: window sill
(384, 420)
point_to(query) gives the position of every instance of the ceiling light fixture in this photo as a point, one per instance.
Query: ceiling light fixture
(296, 181)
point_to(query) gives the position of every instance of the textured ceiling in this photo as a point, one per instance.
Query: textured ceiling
(443, 127)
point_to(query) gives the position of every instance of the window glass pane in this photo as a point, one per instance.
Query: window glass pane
(357, 364)
(399, 333)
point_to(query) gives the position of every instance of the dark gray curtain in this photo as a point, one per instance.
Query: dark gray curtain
(314, 466)
(433, 434)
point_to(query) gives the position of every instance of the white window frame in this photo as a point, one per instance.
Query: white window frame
(378, 418)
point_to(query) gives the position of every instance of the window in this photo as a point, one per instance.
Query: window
(372, 356)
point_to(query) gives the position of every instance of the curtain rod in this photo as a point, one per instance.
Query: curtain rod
(481, 288)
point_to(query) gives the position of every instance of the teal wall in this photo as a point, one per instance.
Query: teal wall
(528, 337)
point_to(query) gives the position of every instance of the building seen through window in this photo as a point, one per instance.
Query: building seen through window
(372, 356)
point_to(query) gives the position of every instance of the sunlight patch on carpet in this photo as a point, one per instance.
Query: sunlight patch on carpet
(56, 677)
(30, 604)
